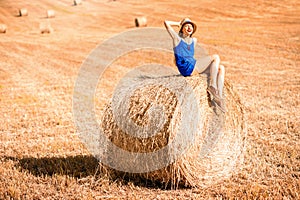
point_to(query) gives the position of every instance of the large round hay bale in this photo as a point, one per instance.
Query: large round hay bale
(216, 152)
(3, 28)
(46, 28)
(23, 12)
(140, 21)
(50, 13)
(77, 2)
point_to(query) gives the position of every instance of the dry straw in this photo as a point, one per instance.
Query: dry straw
(50, 13)
(218, 148)
(23, 12)
(140, 21)
(3, 28)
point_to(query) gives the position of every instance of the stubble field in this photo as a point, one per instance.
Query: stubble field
(42, 157)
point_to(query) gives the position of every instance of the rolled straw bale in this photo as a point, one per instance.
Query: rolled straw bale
(50, 13)
(218, 147)
(46, 28)
(23, 12)
(3, 28)
(140, 21)
(77, 2)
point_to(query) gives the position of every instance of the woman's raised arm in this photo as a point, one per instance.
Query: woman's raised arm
(171, 31)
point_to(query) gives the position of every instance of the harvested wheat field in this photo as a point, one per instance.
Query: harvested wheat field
(42, 156)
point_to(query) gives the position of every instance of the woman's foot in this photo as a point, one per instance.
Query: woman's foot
(214, 94)
(220, 104)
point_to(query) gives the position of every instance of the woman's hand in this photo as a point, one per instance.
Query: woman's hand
(168, 24)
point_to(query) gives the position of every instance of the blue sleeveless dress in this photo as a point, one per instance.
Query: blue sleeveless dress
(184, 56)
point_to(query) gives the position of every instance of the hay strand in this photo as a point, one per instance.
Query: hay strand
(219, 145)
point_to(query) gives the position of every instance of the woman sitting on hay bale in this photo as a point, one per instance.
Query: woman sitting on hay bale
(184, 45)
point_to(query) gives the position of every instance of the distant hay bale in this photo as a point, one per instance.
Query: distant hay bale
(77, 2)
(23, 12)
(50, 13)
(217, 151)
(140, 21)
(46, 28)
(3, 28)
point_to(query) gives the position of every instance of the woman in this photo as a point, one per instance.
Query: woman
(184, 45)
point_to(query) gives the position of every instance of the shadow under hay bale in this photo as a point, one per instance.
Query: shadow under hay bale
(3, 28)
(217, 149)
(74, 166)
(23, 12)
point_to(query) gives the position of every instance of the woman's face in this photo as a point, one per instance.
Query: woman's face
(187, 29)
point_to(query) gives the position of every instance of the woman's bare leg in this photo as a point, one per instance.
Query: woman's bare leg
(214, 70)
(202, 64)
(221, 76)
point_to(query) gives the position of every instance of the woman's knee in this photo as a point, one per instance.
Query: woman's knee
(216, 58)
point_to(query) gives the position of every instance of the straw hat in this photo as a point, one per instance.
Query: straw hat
(187, 21)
